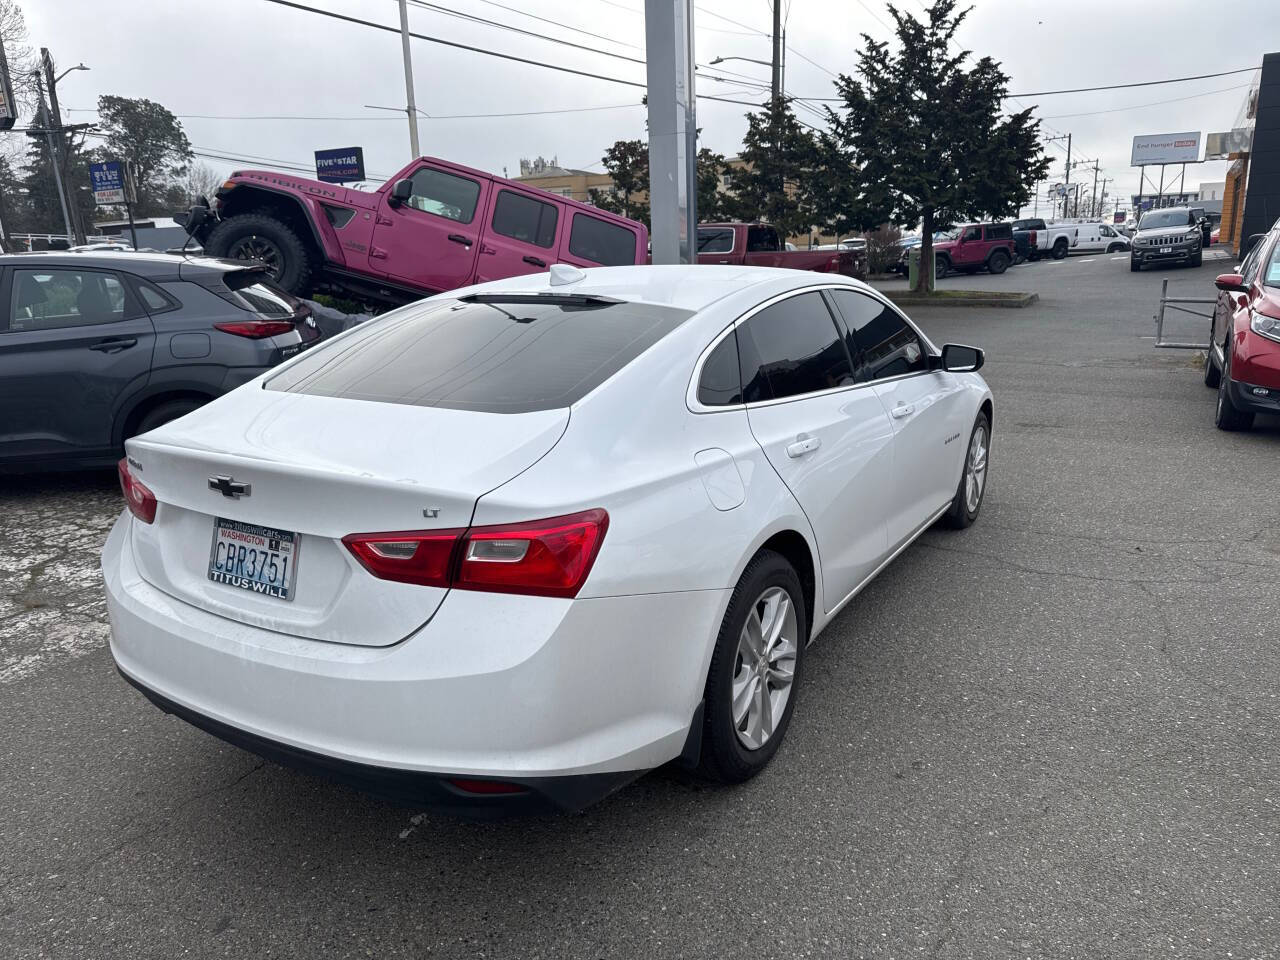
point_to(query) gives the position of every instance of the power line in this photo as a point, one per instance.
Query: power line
(556, 23)
(1154, 103)
(1125, 86)
(447, 116)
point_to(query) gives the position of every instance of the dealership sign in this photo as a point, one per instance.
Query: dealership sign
(1166, 148)
(343, 165)
(108, 182)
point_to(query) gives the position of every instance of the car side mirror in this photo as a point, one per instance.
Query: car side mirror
(401, 191)
(1230, 282)
(957, 358)
(1251, 243)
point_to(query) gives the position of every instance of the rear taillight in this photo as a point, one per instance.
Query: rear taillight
(833, 265)
(141, 501)
(256, 329)
(1032, 239)
(424, 557)
(546, 558)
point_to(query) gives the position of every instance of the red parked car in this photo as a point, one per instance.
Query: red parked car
(1243, 361)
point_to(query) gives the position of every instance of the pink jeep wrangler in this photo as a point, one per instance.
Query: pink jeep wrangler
(435, 226)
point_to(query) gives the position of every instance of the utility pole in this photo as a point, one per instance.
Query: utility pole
(411, 108)
(1103, 198)
(1068, 180)
(48, 131)
(777, 49)
(1093, 204)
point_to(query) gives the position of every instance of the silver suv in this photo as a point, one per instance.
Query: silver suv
(1168, 235)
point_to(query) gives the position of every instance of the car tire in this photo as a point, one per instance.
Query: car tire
(162, 414)
(1115, 248)
(1198, 259)
(1061, 248)
(727, 754)
(967, 502)
(1228, 416)
(941, 266)
(1134, 265)
(261, 236)
(1212, 376)
(998, 262)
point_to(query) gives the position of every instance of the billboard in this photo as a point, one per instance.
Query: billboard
(342, 165)
(108, 182)
(1166, 148)
(1220, 146)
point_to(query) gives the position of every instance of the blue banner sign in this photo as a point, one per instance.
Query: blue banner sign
(343, 165)
(108, 182)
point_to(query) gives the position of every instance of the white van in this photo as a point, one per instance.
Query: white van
(1100, 238)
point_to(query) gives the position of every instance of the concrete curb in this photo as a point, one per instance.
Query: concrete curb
(1012, 302)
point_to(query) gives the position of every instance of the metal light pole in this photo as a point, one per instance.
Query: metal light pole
(673, 130)
(411, 107)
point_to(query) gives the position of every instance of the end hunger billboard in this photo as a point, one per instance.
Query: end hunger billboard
(1158, 148)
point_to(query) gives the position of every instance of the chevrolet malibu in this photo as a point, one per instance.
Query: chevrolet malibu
(505, 549)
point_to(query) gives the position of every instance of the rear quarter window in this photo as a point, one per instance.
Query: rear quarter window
(506, 357)
(608, 244)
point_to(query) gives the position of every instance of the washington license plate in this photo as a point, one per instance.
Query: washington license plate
(263, 560)
(1166, 249)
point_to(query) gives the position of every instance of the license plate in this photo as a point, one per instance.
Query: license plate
(1166, 249)
(262, 560)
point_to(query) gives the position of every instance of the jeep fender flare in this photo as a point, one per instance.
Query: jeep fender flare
(309, 209)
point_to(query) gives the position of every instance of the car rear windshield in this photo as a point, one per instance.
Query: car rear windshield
(510, 356)
(249, 289)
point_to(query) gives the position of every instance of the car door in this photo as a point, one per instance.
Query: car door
(74, 345)
(520, 237)
(431, 241)
(924, 407)
(763, 247)
(968, 249)
(827, 437)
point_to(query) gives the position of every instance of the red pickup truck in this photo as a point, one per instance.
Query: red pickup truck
(759, 245)
(434, 226)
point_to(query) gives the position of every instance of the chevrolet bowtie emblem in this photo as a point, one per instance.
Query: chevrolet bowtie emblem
(229, 487)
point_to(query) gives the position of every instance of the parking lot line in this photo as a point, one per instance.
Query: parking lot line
(1087, 261)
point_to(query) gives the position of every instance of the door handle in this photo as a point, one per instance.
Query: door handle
(904, 410)
(536, 261)
(459, 238)
(804, 444)
(114, 344)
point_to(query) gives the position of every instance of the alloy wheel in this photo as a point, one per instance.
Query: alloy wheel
(255, 247)
(975, 469)
(765, 667)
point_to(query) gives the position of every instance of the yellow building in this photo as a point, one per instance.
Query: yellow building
(548, 175)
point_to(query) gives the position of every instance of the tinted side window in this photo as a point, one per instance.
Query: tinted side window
(444, 194)
(762, 239)
(972, 233)
(525, 219)
(715, 241)
(49, 299)
(883, 342)
(155, 300)
(721, 381)
(790, 348)
(999, 231)
(601, 242)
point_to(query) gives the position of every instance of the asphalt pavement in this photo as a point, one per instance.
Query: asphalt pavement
(1055, 734)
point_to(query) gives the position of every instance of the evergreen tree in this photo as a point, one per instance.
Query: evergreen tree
(147, 135)
(920, 137)
(777, 182)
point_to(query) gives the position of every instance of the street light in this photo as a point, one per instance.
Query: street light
(763, 63)
(58, 78)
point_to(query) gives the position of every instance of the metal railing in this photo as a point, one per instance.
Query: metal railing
(1176, 303)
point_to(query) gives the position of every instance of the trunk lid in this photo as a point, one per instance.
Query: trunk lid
(321, 468)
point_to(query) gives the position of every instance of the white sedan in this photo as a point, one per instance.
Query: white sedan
(509, 547)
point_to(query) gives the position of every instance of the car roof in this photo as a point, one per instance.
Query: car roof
(153, 266)
(687, 287)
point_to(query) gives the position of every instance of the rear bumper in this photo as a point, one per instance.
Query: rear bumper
(415, 788)
(530, 690)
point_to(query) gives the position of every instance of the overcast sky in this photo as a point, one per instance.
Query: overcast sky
(247, 58)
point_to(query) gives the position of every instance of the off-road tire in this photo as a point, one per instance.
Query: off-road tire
(941, 265)
(998, 262)
(296, 264)
(724, 758)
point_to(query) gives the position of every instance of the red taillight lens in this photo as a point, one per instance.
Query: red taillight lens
(487, 787)
(546, 558)
(833, 265)
(141, 501)
(256, 329)
(423, 557)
